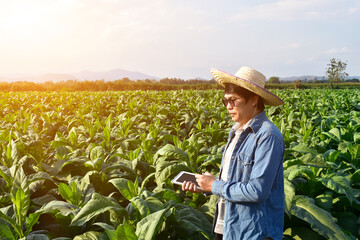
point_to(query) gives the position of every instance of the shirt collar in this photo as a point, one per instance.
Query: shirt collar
(254, 123)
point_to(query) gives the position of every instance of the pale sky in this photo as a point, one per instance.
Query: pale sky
(184, 38)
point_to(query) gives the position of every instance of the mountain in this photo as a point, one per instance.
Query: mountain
(110, 75)
(302, 78)
(311, 77)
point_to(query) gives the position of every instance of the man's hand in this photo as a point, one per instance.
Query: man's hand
(205, 181)
(191, 187)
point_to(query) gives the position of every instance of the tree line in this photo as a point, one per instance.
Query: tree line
(117, 85)
(335, 74)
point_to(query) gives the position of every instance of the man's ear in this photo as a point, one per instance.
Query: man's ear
(255, 100)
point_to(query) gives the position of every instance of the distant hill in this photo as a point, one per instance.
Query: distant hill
(111, 75)
(310, 78)
(302, 78)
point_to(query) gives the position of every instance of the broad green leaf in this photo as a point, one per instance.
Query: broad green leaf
(166, 169)
(334, 134)
(320, 220)
(315, 161)
(148, 205)
(97, 152)
(301, 171)
(5, 233)
(97, 205)
(141, 206)
(65, 192)
(13, 223)
(173, 153)
(289, 195)
(147, 227)
(192, 219)
(107, 134)
(90, 235)
(304, 148)
(166, 195)
(126, 232)
(21, 202)
(338, 184)
(332, 155)
(324, 201)
(64, 208)
(39, 176)
(123, 185)
(32, 220)
(6, 175)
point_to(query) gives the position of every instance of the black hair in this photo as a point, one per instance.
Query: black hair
(231, 88)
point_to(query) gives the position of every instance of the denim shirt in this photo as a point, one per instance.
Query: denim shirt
(254, 190)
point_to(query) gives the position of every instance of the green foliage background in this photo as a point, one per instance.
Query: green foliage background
(98, 165)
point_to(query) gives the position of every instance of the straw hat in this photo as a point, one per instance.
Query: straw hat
(249, 79)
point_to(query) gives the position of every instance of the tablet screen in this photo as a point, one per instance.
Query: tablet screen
(185, 176)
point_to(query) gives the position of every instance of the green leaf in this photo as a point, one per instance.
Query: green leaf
(13, 223)
(6, 175)
(91, 235)
(65, 192)
(166, 195)
(64, 208)
(289, 195)
(338, 184)
(320, 220)
(32, 220)
(315, 161)
(125, 187)
(148, 205)
(97, 205)
(126, 232)
(304, 148)
(166, 169)
(301, 171)
(21, 205)
(106, 133)
(147, 227)
(141, 206)
(192, 219)
(97, 152)
(173, 153)
(334, 134)
(5, 232)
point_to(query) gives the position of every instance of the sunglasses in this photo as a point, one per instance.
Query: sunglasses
(227, 101)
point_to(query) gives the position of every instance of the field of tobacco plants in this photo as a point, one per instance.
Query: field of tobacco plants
(98, 165)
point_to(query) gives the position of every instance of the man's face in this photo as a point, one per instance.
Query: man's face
(239, 109)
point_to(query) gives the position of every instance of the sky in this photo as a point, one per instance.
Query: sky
(182, 39)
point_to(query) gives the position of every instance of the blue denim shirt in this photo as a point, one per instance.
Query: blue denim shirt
(254, 190)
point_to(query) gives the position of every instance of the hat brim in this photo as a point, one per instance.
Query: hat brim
(223, 77)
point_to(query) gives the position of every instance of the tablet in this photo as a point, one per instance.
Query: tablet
(185, 176)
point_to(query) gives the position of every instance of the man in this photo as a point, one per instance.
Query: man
(250, 186)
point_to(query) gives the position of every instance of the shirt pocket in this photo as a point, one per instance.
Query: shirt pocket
(245, 165)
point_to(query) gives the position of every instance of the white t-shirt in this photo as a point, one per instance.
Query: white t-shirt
(224, 174)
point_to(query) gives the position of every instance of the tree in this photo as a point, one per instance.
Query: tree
(336, 71)
(274, 80)
(298, 84)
